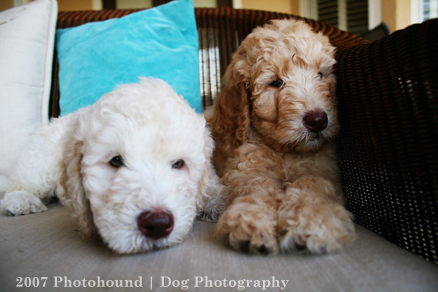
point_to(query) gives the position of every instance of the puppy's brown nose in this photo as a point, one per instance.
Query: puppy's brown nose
(155, 224)
(315, 121)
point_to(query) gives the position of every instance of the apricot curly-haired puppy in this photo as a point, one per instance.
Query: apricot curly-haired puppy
(274, 123)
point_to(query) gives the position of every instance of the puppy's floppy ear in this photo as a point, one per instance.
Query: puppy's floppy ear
(232, 108)
(210, 202)
(70, 189)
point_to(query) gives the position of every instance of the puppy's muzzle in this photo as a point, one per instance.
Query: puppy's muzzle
(155, 225)
(315, 121)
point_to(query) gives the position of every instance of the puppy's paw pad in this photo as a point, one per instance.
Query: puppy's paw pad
(21, 203)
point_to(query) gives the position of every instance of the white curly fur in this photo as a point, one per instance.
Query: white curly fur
(151, 127)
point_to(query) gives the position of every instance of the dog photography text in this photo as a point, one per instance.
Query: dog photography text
(200, 282)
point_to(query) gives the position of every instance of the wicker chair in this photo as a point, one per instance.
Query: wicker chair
(388, 103)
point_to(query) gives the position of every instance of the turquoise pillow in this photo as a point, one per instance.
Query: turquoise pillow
(161, 42)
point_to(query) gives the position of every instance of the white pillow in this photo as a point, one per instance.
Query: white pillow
(26, 53)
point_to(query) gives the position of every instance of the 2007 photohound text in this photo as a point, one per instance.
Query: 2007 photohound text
(164, 282)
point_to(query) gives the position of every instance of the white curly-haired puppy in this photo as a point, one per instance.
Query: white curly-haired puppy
(275, 122)
(133, 168)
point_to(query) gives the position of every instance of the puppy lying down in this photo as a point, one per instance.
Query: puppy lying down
(133, 168)
(275, 124)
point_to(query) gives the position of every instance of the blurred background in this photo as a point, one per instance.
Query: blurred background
(355, 16)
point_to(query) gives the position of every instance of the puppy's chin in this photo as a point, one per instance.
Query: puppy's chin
(132, 241)
(137, 244)
(141, 244)
(297, 142)
(309, 145)
(302, 143)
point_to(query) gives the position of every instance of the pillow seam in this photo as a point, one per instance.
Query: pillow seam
(50, 47)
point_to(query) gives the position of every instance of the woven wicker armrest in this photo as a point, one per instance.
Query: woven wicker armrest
(388, 105)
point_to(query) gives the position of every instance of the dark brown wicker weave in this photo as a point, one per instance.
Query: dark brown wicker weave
(388, 104)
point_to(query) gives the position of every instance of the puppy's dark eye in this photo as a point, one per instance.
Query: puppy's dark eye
(117, 161)
(178, 164)
(277, 83)
(320, 75)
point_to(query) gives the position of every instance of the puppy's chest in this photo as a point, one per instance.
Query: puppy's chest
(286, 167)
(295, 166)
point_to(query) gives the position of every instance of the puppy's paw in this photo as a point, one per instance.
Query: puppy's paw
(250, 228)
(316, 228)
(21, 203)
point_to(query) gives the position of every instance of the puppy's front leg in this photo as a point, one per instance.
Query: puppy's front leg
(250, 220)
(312, 217)
(34, 180)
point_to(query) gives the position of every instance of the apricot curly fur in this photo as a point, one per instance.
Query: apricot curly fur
(279, 170)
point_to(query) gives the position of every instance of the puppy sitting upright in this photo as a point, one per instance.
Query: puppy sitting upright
(133, 168)
(274, 123)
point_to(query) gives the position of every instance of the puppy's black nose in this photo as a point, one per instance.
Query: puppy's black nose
(315, 121)
(155, 225)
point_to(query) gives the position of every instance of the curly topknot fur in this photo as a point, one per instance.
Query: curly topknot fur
(274, 123)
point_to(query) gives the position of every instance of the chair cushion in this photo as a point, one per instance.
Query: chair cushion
(49, 244)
